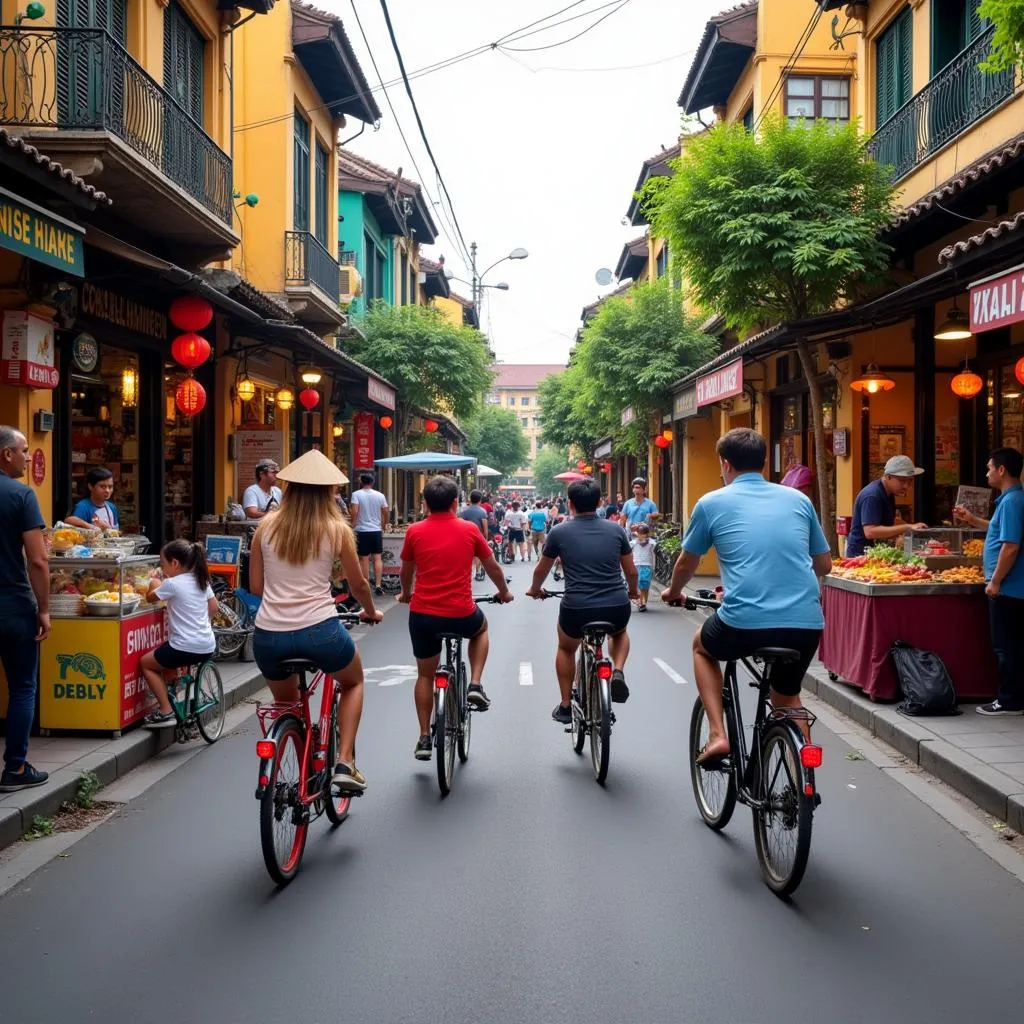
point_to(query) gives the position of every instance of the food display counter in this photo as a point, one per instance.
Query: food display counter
(391, 559)
(89, 675)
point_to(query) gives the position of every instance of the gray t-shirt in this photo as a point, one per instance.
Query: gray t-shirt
(590, 549)
(368, 505)
(475, 514)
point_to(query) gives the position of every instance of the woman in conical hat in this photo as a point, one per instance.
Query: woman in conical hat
(290, 567)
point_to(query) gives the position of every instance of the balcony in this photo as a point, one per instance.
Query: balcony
(87, 102)
(951, 103)
(312, 280)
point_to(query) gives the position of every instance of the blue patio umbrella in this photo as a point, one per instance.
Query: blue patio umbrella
(424, 462)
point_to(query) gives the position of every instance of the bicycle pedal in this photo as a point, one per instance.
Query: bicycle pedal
(568, 728)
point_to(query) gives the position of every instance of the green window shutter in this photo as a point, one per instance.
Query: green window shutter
(905, 56)
(118, 27)
(183, 61)
(894, 57)
(322, 160)
(300, 211)
(884, 84)
(974, 23)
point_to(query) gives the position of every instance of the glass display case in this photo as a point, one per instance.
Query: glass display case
(945, 542)
(109, 587)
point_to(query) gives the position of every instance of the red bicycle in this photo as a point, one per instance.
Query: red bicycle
(297, 758)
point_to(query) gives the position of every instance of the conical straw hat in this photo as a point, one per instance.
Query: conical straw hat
(313, 468)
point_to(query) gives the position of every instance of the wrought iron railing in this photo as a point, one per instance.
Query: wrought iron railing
(307, 262)
(347, 257)
(946, 107)
(82, 79)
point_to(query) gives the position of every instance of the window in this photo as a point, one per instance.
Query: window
(374, 270)
(955, 25)
(300, 202)
(818, 98)
(405, 278)
(894, 63)
(748, 118)
(524, 401)
(525, 420)
(512, 401)
(322, 203)
(183, 61)
(536, 421)
(662, 264)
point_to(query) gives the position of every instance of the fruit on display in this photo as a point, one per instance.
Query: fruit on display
(66, 538)
(974, 548)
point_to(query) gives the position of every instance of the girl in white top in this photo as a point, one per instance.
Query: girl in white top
(290, 567)
(190, 640)
(643, 558)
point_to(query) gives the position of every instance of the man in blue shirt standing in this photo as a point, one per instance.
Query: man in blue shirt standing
(639, 508)
(1004, 571)
(771, 550)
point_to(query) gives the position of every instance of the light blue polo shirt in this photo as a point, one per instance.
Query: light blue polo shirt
(1006, 527)
(764, 536)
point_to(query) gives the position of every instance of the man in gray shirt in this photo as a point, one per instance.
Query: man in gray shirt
(369, 518)
(474, 512)
(595, 556)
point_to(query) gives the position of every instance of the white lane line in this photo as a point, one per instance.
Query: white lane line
(670, 672)
(525, 673)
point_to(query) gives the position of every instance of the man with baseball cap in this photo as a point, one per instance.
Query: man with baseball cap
(874, 511)
(263, 496)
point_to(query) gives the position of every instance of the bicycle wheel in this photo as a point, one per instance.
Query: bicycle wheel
(600, 726)
(208, 705)
(446, 718)
(715, 791)
(579, 720)
(336, 806)
(465, 718)
(230, 625)
(283, 820)
(782, 827)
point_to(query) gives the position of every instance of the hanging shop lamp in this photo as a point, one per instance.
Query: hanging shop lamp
(309, 399)
(872, 380)
(190, 397)
(245, 389)
(661, 441)
(956, 326)
(667, 434)
(430, 426)
(190, 350)
(129, 387)
(1018, 370)
(190, 313)
(310, 375)
(385, 422)
(606, 467)
(337, 430)
(966, 384)
(285, 399)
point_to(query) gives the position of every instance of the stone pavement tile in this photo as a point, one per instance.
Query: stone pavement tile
(10, 826)
(985, 739)
(1014, 769)
(997, 755)
(982, 783)
(1015, 811)
(900, 732)
(971, 721)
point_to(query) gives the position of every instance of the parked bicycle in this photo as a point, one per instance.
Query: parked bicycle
(197, 698)
(774, 777)
(296, 762)
(234, 620)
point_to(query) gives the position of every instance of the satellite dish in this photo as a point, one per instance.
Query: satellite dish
(604, 276)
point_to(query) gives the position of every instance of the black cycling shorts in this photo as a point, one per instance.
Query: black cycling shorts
(424, 630)
(726, 643)
(572, 620)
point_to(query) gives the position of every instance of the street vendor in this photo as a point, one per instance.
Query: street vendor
(97, 511)
(874, 511)
(263, 496)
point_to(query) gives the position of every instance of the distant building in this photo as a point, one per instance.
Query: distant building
(516, 388)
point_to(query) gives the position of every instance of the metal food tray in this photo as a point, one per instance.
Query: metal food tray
(904, 589)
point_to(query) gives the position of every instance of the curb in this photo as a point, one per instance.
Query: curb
(109, 762)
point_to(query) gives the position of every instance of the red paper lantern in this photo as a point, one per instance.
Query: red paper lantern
(1018, 370)
(190, 350)
(966, 384)
(190, 313)
(309, 398)
(190, 397)
(661, 442)
(385, 422)
(430, 426)
(606, 467)
(580, 465)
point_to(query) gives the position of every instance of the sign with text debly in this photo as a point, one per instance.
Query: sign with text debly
(723, 383)
(997, 302)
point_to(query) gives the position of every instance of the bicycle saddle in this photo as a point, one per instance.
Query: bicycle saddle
(770, 654)
(598, 627)
(449, 636)
(296, 666)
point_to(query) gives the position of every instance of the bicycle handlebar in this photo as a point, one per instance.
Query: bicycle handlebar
(545, 594)
(354, 617)
(691, 602)
(489, 599)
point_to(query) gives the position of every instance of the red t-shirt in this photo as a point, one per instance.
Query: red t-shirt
(442, 548)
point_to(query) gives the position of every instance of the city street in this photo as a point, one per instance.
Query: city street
(530, 894)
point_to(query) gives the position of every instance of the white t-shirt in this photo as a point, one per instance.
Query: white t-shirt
(188, 618)
(643, 554)
(515, 520)
(368, 504)
(256, 497)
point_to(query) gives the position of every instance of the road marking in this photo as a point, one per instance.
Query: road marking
(670, 672)
(397, 674)
(525, 673)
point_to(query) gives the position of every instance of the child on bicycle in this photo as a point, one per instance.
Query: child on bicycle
(190, 640)
(643, 558)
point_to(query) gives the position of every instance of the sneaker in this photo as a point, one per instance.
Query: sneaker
(995, 708)
(379, 591)
(562, 714)
(11, 782)
(422, 751)
(620, 691)
(476, 698)
(160, 720)
(641, 608)
(348, 778)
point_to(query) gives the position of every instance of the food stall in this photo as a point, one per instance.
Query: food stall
(930, 594)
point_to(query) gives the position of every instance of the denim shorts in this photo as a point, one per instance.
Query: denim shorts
(327, 645)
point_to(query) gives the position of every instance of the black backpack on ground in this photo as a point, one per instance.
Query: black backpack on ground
(926, 685)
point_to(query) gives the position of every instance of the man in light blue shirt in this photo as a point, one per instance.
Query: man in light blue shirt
(771, 550)
(639, 508)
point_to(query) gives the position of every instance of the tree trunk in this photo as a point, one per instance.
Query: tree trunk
(809, 364)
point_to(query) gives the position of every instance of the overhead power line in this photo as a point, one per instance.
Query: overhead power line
(589, 28)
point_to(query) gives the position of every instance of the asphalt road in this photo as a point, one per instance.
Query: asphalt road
(529, 895)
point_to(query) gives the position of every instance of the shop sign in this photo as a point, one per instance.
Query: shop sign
(684, 404)
(26, 356)
(123, 312)
(139, 635)
(997, 301)
(627, 416)
(41, 236)
(252, 446)
(85, 352)
(723, 383)
(603, 450)
(379, 392)
(362, 440)
(38, 467)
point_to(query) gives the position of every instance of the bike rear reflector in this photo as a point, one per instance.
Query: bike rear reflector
(265, 749)
(604, 671)
(808, 789)
(264, 781)
(441, 680)
(810, 756)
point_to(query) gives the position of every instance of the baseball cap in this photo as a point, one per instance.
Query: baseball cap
(902, 465)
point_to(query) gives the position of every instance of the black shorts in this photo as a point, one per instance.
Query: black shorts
(725, 643)
(424, 630)
(516, 537)
(170, 657)
(572, 620)
(369, 542)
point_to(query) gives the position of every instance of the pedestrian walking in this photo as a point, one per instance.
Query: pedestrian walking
(369, 519)
(643, 558)
(24, 606)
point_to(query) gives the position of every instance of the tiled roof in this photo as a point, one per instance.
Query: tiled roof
(738, 32)
(589, 311)
(1004, 227)
(359, 167)
(57, 170)
(430, 266)
(523, 375)
(632, 258)
(262, 303)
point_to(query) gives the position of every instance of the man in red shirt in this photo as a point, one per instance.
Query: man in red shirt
(438, 552)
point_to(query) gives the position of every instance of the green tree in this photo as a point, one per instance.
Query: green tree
(547, 464)
(432, 364)
(564, 423)
(495, 436)
(776, 227)
(1008, 40)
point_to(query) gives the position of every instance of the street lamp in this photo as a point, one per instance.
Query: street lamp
(477, 282)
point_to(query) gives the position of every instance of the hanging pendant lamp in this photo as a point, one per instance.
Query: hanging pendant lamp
(956, 326)
(872, 381)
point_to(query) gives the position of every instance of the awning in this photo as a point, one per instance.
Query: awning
(482, 470)
(426, 461)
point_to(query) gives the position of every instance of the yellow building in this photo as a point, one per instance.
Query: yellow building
(515, 388)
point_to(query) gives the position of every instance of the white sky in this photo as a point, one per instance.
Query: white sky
(542, 158)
